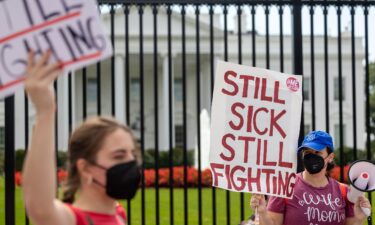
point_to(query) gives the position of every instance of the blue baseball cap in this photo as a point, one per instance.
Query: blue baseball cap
(317, 140)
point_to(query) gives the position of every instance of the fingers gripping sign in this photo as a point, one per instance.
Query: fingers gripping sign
(258, 204)
(39, 79)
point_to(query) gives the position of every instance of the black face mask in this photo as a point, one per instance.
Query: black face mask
(122, 180)
(313, 163)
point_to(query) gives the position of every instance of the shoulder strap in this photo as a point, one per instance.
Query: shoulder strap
(343, 190)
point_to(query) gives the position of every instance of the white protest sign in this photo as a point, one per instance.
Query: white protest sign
(255, 121)
(70, 28)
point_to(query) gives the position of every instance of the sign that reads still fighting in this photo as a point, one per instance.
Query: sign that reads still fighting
(70, 28)
(255, 121)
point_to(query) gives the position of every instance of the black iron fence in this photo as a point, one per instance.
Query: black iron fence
(161, 77)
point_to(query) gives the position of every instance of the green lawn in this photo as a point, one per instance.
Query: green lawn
(164, 206)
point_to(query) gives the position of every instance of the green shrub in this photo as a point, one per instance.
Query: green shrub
(20, 157)
(62, 159)
(163, 162)
(348, 155)
(149, 159)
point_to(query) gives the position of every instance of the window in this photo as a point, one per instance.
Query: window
(91, 90)
(306, 128)
(135, 89)
(178, 89)
(336, 89)
(179, 136)
(337, 135)
(2, 138)
(306, 88)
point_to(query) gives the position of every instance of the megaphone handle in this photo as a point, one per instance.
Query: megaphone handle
(366, 211)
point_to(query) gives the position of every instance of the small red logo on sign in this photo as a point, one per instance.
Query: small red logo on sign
(292, 84)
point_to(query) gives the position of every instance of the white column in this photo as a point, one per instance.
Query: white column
(205, 85)
(19, 109)
(76, 100)
(120, 89)
(63, 112)
(243, 23)
(164, 106)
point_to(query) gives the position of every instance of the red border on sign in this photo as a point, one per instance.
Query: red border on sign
(40, 26)
(64, 64)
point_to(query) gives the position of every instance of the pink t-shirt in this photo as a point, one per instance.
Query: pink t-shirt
(92, 218)
(313, 206)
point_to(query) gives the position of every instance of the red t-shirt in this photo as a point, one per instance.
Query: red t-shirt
(313, 206)
(92, 218)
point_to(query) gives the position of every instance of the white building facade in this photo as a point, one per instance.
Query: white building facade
(205, 79)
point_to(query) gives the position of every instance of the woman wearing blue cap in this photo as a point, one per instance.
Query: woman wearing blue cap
(317, 198)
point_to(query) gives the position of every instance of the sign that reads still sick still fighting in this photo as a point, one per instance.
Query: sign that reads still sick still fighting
(255, 125)
(70, 28)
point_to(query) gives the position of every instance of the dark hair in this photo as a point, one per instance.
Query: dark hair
(85, 143)
(330, 167)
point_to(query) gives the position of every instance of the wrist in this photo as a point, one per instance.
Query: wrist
(42, 116)
(361, 220)
(45, 108)
(358, 221)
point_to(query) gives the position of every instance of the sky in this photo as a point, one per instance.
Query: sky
(332, 22)
(332, 19)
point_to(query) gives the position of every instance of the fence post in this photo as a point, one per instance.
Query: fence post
(298, 57)
(9, 161)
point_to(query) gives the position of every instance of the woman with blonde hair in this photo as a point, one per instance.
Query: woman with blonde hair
(103, 161)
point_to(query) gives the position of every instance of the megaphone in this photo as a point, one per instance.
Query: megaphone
(361, 176)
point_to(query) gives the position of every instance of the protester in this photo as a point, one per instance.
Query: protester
(103, 161)
(317, 198)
